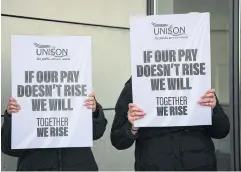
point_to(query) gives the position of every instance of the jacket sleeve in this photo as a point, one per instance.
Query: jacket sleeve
(6, 137)
(220, 123)
(99, 123)
(121, 136)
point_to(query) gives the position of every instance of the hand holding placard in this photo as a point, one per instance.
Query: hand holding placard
(13, 106)
(90, 103)
(208, 99)
(171, 69)
(44, 131)
(51, 89)
(135, 113)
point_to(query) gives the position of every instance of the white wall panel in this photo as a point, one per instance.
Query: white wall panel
(109, 158)
(110, 53)
(104, 12)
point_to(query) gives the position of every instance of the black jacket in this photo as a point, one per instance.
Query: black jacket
(168, 148)
(66, 159)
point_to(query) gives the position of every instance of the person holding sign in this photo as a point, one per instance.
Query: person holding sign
(168, 148)
(67, 159)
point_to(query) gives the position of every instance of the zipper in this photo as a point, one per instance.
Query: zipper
(60, 160)
(180, 137)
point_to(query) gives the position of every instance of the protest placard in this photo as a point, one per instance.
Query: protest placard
(51, 79)
(170, 63)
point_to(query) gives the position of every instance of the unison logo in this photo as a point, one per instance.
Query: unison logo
(50, 51)
(168, 30)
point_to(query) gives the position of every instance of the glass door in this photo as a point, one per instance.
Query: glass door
(225, 65)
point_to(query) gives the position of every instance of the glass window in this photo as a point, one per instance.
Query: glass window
(219, 14)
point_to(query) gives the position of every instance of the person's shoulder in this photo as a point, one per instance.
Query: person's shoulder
(128, 82)
(127, 90)
(125, 97)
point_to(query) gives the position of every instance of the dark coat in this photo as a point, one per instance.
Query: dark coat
(168, 148)
(66, 159)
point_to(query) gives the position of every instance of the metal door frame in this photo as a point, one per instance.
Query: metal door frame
(234, 92)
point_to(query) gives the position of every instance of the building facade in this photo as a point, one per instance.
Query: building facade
(107, 22)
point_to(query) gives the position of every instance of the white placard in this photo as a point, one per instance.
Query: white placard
(51, 79)
(170, 61)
